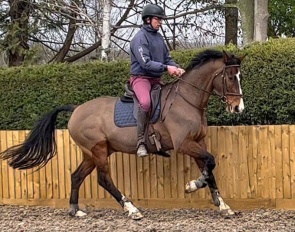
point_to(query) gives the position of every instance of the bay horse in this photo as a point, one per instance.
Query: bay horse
(182, 126)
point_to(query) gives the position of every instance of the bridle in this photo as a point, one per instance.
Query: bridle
(225, 93)
(223, 97)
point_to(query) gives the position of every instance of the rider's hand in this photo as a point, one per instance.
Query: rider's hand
(181, 71)
(175, 71)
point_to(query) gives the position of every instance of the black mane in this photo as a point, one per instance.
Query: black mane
(203, 58)
(208, 55)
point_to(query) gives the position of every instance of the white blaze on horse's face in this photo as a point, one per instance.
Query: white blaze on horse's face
(235, 104)
(241, 106)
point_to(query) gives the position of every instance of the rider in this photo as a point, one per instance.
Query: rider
(149, 59)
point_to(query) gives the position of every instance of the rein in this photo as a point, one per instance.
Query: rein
(223, 97)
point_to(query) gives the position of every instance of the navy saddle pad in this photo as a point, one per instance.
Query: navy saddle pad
(124, 114)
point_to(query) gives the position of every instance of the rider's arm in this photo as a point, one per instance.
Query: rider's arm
(168, 59)
(172, 67)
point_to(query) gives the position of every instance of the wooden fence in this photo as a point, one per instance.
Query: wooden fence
(255, 168)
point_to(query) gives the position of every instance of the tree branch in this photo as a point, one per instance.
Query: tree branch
(98, 43)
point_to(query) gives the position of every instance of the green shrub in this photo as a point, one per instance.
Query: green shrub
(27, 93)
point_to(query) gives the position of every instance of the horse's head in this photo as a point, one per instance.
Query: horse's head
(227, 83)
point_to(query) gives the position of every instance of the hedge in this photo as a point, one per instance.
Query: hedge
(27, 93)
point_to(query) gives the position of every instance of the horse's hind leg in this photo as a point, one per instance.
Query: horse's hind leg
(77, 178)
(100, 155)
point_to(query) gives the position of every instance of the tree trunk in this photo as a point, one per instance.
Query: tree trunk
(17, 37)
(231, 23)
(261, 20)
(60, 56)
(254, 14)
(246, 8)
(106, 30)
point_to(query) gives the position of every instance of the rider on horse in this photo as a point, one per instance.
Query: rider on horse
(150, 58)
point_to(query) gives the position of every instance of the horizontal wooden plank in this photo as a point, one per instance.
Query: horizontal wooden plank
(285, 204)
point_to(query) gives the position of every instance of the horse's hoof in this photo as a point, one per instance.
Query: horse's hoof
(79, 213)
(190, 187)
(227, 214)
(135, 215)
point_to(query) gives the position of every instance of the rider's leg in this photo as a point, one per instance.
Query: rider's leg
(142, 87)
(142, 120)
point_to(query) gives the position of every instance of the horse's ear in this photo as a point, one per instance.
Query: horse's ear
(226, 57)
(242, 57)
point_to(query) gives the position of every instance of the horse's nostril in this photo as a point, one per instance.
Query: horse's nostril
(237, 109)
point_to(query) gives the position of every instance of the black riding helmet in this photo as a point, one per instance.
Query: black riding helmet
(152, 10)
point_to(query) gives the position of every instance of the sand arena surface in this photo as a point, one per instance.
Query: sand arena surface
(35, 218)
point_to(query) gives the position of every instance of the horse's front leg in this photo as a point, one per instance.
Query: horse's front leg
(217, 199)
(206, 164)
(207, 178)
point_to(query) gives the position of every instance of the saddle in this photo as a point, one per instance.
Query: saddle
(129, 102)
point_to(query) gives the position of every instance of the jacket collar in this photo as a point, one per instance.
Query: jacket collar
(149, 28)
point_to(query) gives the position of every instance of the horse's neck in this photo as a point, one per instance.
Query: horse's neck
(198, 84)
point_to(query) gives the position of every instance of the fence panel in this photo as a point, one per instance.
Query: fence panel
(252, 163)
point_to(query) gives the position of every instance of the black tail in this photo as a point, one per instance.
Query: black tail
(40, 145)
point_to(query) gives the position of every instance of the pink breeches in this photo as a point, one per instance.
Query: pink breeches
(142, 87)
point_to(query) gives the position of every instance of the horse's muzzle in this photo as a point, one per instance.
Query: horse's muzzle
(234, 109)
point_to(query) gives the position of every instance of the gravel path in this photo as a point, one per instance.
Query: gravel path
(33, 218)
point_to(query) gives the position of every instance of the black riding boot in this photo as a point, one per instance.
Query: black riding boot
(142, 121)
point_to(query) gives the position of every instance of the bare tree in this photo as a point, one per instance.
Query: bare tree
(106, 30)
(16, 40)
(71, 29)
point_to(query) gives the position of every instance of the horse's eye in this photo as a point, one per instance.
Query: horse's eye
(231, 77)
